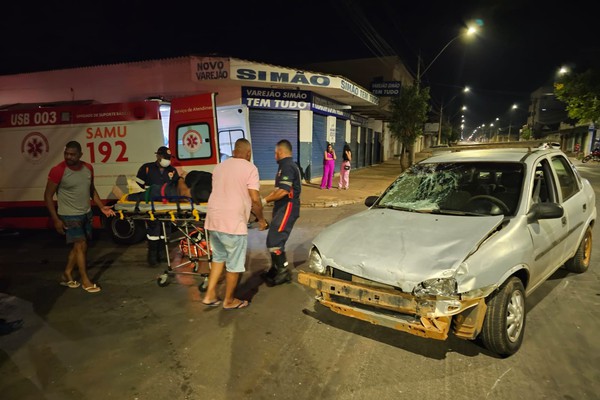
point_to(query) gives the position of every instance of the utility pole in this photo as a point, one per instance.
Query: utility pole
(440, 127)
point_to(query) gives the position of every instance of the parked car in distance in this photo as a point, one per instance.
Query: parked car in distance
(456, 243)
(550, 145)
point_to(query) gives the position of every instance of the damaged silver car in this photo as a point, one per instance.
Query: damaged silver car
(456, 243)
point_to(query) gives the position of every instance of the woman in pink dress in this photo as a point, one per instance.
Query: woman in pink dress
(328, 167)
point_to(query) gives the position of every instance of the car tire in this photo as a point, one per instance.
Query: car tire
(126, 231)
(581, 260)
(504, 324)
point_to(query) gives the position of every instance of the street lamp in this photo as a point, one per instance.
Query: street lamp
(465, 90)
(514, 107)
(469, 32)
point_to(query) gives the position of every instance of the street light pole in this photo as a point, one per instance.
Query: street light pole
(470, 31)
(465, 90)
(514, 106)
(440, 127)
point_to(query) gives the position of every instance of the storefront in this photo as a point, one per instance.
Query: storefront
(308, 109)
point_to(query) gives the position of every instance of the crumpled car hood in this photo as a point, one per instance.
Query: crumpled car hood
(402, 248)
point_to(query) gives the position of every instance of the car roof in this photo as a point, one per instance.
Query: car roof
(469, 154)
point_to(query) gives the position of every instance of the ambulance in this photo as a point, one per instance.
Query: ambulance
(116, 139)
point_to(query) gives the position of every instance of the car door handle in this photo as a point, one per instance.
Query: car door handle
(563, 220)
(584, 207)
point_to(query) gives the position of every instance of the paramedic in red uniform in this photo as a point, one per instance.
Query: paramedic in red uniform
(286, 210)
(159, 172)
(73, 183)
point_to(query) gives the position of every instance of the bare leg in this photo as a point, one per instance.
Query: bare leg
(71, 262)
(231, 281)
(80, 249)
(216, 269)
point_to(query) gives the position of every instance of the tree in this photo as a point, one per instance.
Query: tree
(409, 114)
(581, 94)
(526, 133)
(450, 133)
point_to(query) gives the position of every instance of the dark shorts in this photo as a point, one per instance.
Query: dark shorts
(78, 227)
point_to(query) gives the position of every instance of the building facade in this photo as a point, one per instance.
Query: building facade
(308, 108)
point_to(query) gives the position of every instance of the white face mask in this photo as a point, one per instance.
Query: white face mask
(165, 163)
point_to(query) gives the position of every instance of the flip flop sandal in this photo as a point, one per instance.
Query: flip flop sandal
(70, 284)
(213, 303)
(91, 289)
(242, 304)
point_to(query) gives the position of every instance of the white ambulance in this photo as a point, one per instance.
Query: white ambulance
(116, 139)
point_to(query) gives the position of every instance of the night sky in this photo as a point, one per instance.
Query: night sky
(520, 46)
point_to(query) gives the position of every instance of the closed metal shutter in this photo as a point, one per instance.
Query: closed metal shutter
(362, 146)
(377, 148)
(369, 148)
(267, 127)
(354, 145)
(340, 141)
(319, 144)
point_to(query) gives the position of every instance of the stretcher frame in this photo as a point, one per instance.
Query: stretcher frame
(185, 216)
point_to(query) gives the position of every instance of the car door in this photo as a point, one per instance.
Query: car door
(548, 235)
(572, 199)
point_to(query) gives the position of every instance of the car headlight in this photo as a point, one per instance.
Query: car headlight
(436, 287)
(315, 262)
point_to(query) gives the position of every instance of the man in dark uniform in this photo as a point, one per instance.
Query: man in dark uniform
(159, 172)
(286, 210)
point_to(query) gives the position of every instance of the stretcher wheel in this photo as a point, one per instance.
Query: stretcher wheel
(163, 280)
(204, 285)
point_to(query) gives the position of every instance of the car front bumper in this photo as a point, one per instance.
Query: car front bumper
(429, 318)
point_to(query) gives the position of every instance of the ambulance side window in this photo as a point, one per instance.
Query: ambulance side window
(227, 139)
(193, 141)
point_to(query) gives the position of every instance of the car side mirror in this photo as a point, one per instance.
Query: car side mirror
(369, 201)
(544, 211)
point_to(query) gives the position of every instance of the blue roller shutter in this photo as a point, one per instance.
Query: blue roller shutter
(340, 141)
(267, 127)
(354, 145)
(319, 144)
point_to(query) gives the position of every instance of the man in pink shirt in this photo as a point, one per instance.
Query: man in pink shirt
(235, 192)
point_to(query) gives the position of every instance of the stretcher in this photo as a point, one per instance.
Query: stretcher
(186, 217)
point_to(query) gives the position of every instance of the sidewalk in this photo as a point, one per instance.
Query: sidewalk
(364, 182)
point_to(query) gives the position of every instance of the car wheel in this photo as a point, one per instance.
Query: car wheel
(504, 324)
(581, 260)
(126, 231)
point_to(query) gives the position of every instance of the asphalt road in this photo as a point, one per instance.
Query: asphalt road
(136, 340)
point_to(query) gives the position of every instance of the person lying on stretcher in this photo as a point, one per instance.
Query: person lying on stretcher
(196, 185)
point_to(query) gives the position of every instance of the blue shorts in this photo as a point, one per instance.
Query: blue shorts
(78, 227)
(230, 249)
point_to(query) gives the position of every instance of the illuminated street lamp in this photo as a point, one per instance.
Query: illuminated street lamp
(465, 90)
(514, 107)
(470, 31)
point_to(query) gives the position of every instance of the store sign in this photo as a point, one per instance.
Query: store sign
(285, 76)
(326, 106)
(209, 68)
(388, 89)
(278, 99)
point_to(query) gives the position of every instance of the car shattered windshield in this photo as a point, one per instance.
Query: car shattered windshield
(463, 188)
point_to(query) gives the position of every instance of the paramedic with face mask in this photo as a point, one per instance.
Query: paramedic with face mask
(159, 172)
